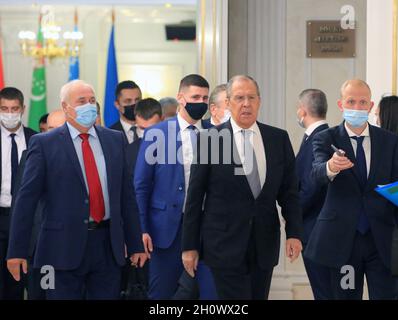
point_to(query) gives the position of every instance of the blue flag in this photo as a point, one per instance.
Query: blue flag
(111, 114)
(74, 66)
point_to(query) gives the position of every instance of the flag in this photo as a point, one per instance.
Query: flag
(38, 99)
(111, 114)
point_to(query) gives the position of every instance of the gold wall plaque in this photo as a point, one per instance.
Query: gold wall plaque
(327, 39)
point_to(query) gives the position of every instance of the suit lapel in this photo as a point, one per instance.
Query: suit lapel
(376, 151)
(66, 139)
(237, 163)
(346, 145)
(107, 151)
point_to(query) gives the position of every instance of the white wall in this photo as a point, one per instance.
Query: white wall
(379, 47)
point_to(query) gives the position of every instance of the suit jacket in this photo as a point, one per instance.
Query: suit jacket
(230, 210)
(312, 197)
(160, 186)
(332, 238)
(53, 174)
(131, 156)
(28, 132)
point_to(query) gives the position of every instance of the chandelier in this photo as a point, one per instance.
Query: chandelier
(48, 43)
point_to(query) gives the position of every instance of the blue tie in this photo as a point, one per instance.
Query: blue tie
(363, 223)
(14, 161)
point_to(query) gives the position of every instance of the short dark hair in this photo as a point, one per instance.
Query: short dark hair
(128, 84)
(388, 113)
(43, 118)
(11, 93)
(193, 80)
(315, 101)
(147, 108)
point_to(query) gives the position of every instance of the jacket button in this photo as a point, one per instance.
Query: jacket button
(86, 201)
(174, 206)
(180, 188)
(85, 221)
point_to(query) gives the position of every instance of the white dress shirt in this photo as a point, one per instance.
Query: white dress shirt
(258, 146)
(96, 147)
(314, 126)
(366, 147)
(5, 196)
(187, 151)
(126, 128)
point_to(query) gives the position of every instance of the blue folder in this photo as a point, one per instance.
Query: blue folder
(389, 191)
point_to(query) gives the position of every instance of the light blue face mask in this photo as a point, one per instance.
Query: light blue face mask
(356, 118)
(86, 115)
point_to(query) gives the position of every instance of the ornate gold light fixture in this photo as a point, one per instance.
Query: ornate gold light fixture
(47, 43)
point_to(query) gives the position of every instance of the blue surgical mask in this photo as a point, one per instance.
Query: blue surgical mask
(86, 115)
(356, 118)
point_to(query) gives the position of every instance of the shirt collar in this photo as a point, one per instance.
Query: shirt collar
(314, 126)
(18, 133)
(126, 126)
(184, 124)
(235, 128)
(74, 133)
(365, 132)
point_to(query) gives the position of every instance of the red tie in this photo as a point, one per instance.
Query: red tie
(97, 207)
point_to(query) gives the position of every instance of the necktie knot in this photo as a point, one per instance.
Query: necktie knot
(193, 128)
(12, 135)
(359, 140)
(84, 136)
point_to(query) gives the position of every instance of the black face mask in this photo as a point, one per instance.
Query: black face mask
(196, 110)
(129, 112)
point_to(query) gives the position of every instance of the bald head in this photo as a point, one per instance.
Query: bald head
(56, 119)
(354, 83)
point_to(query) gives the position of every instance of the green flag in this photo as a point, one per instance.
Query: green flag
(38, 100)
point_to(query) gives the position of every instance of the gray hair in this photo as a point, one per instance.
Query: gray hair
(216, 92)
(66, 88)
(315, 102)
(240, 78)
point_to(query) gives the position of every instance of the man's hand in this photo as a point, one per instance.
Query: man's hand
(14, 266)
(190, 261)
(339, 163)
(138, 259)
(148, 246)
(293, 248)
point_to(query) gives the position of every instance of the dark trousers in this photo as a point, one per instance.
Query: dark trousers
(319, 277)
(246, 282)
(35, 292)
(97, 277)
(365, 261)
(9, 288)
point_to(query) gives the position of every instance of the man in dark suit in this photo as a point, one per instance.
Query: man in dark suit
(127, 94)
(14, 140)
(311, 115)
(161, 185)
(89, 217)
(55, 119)
(353, 233)
(239, 230)
(148, 112)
